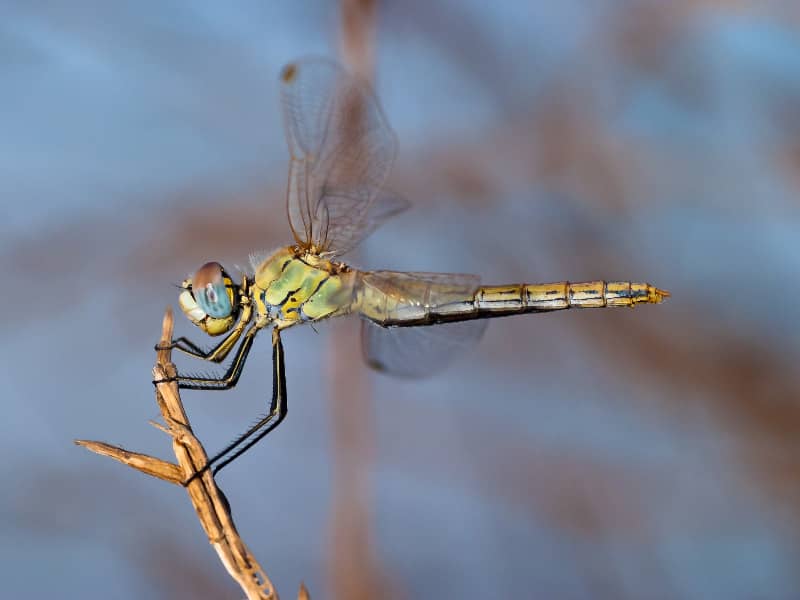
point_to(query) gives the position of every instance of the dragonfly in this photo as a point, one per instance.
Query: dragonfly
(342, 149)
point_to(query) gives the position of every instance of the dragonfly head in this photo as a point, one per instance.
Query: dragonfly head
(210, 299)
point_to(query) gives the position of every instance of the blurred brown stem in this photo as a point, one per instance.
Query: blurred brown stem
(353, 570)
(357, 35)
(209, 502)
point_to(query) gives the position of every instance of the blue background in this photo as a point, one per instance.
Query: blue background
(598, 454)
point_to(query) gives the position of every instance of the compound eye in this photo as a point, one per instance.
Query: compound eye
(209, 289)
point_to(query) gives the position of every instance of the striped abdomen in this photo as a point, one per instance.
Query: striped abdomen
(538, 297)
(433, 302)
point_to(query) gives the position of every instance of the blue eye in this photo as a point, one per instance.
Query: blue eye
(210, 290)
(214, 301)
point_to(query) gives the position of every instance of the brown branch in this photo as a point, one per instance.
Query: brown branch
(209, 502)
(358, 35)
(353, 569)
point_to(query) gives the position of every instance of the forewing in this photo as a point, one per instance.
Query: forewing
(385, 206)
(419, 351)
(342, 150)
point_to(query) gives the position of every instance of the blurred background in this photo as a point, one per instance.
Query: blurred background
(598, 454)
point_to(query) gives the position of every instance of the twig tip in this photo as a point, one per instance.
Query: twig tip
(303, 593)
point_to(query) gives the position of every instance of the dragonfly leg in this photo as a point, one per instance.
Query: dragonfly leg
(186, 345)
(220, 351)
(277, 412)
(231, 376)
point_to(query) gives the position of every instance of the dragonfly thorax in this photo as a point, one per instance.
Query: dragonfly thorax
(293, 286)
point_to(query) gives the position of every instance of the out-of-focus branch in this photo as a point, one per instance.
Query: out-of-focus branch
(209, 502)
(353, 570)
(358, 31)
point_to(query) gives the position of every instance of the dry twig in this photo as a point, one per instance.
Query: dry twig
(208, 500)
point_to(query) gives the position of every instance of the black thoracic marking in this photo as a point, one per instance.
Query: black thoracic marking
(299, 309)
(316, 289)
(288, 295)
(286, 264)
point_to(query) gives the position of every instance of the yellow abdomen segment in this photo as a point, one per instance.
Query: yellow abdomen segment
(534, 297)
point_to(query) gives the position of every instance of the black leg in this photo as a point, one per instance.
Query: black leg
(186, 345)
(214, 354)
(231, 376)
(277, 412)
(218, 352)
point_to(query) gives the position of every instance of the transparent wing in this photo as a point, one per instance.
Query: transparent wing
(422, 350)
(342, 150)
(409, 288)
(417, 351)
(384, 206)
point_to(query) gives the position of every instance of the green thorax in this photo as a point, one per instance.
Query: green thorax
(292, 287)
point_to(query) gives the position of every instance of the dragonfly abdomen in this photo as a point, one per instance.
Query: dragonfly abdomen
(505, 300)
(540, 297)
